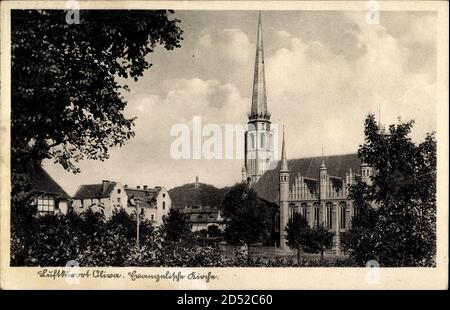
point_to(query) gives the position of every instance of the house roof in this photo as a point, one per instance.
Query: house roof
(90, 191)
(146, 195)
(337, 166)
(204, 216)
(200, 209)
(42, 182)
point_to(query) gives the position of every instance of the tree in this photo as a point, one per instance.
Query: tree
(214, 231)
(67, 83)
(396, 219)
(175, 229)
(321, 239)
(249, 219)
(124, 224)
(298, 233)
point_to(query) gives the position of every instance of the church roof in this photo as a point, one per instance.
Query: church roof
(337, 166)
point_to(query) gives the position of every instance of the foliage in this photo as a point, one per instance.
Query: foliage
(297, 233)
(67, 95)
(321, 239)
(249, 219)
(125, 224)
(175, 227)
(67, 104)
(214, 231)
(93, 241)
(396, 219)
(204, 195)
(87, 238)
(311, 240)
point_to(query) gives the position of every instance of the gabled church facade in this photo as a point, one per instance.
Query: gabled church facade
(316, 187)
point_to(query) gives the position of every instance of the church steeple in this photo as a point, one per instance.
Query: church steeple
(284, 164)
(259, 135)
(259, 100)
(284, 196)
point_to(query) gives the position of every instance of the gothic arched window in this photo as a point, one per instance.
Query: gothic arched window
(316, 209)
(342, 214)
(262, 137)
(329, 210)
(304, 210)
(291, 210)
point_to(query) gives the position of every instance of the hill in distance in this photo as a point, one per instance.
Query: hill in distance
(202, 195)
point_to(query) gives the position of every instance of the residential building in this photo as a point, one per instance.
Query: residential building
(104, 197)
(201, 217)
(47, 194)
(153, 203)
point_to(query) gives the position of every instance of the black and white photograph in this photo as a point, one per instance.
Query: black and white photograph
(203, 139)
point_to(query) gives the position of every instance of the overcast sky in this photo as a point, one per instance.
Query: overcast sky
(325, 71)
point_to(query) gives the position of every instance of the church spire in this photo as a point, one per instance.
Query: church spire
(259, 101)
(284, 164)
(323, 166)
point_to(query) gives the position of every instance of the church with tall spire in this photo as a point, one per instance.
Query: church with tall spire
(315, 187)
(259, 136)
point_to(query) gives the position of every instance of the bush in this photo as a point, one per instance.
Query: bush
(55, 239)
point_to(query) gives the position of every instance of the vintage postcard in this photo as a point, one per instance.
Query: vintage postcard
(224, 145)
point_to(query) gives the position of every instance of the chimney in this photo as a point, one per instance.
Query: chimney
(196, 182)
(105, 184)
(138, 187)
(145, 186)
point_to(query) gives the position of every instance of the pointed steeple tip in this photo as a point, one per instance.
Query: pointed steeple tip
(259, 100)
(323, 166)
(284, 163)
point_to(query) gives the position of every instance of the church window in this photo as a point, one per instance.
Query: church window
(343, 219)
(252, 141)
(262, 143)
(329, 210)
(316, 214)
(304, 208)
(291, 210)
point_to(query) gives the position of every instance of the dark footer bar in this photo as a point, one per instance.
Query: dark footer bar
(210, 299)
